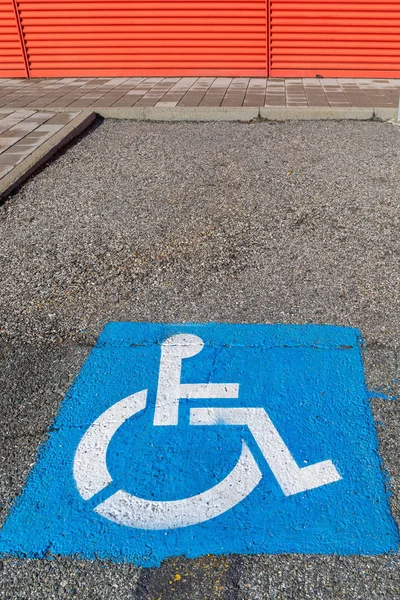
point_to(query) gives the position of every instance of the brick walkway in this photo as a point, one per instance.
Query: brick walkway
(172, 92)
(23, 131)
(29, 138)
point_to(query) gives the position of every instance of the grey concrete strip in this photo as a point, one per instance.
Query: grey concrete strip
(386, 114)
(32, 162)
(240, 113)
(201, 113)
(304, 113)
(136, 113)
(178, 113)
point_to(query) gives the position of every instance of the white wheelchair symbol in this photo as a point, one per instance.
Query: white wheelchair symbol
(92, 476)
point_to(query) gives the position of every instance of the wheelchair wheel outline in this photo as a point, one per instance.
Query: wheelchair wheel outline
(92, 476)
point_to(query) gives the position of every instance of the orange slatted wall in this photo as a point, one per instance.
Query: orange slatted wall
(12, 60)
(355, 38)
(153, 37)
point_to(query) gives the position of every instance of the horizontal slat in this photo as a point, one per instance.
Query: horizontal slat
(77, 7)
(148, 72)
(9, 38)
(172, 22)
(336, 22)
(229, 38)
(10, 45)
(331, 7)
(9, 30)
(233, 62)
(11, 72)
(10, 62)
(151, 28)
(10, 52)
(325, 51)
(125, 53)
(353, 73)
(154, 31)
(347, 10)
(360, 32)
(338, 37)
(324, 60)
(166, 42)
(332, 44)
(319, 68)
(112, 17)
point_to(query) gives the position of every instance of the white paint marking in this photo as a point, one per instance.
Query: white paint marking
(131, 511)
(90, 467)
(209, 390)
(291, 478)
(171, 390)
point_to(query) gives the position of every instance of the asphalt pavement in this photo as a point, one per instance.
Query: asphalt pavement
(261, 223)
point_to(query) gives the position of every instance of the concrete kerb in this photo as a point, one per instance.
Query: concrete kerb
(178, 113)
(32, 162)
(240, 113)
(304, 113)
(385, 114)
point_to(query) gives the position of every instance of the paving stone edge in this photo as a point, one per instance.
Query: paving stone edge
(32, 162)
(241, 113)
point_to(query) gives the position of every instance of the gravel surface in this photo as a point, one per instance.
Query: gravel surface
(272, 222)
(292, 222)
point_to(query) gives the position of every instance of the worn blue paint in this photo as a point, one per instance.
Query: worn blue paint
(309, 379)
(381, 395)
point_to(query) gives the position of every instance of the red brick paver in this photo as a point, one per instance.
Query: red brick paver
(103, 92)
(23, 131)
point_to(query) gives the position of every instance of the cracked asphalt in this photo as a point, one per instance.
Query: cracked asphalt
(263, 222)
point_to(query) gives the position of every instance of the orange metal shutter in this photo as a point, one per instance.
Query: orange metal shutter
(156, 37)
(12, 60)
(359, 38)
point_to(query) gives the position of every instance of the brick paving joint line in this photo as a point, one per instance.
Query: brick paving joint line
(61, 93)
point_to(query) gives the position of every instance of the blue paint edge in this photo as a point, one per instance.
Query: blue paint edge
(307, 338)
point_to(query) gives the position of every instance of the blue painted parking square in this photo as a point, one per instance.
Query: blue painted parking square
(190, 439)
